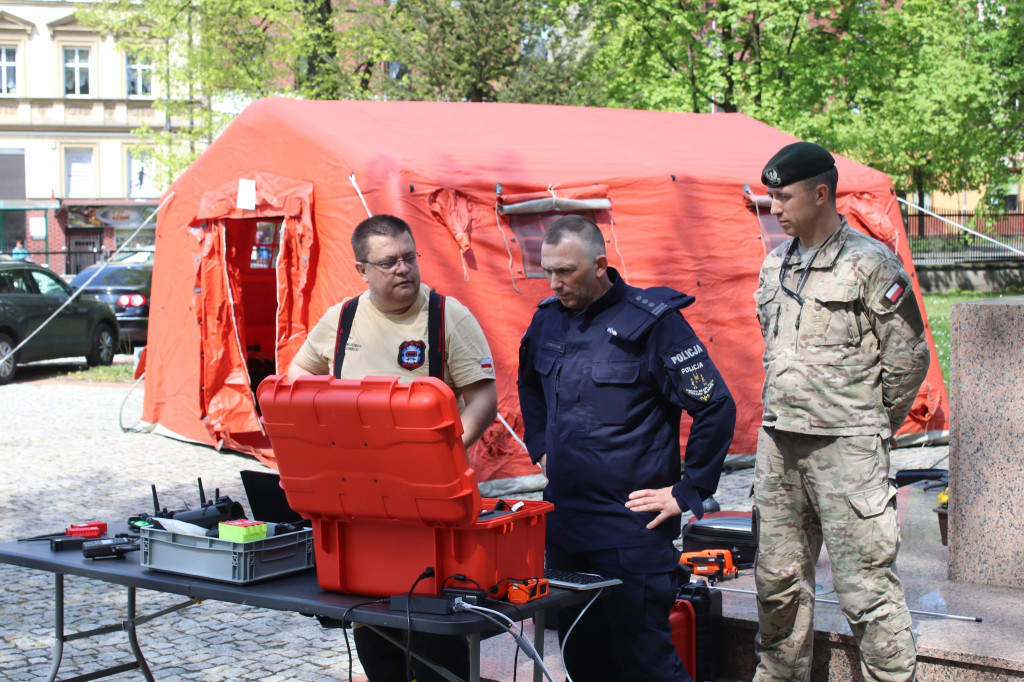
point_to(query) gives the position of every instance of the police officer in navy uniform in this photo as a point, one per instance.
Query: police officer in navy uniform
(605, 372)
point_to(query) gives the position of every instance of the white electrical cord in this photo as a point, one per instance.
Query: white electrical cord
(523, 642)
(569, 631)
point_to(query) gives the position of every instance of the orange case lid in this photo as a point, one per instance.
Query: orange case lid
(370, 449)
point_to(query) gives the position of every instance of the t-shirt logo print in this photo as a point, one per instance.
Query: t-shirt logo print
(411, 354)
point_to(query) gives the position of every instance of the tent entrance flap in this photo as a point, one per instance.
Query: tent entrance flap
(227, 405)
(246, 265)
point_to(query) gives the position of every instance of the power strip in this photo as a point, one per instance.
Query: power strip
(439, 605)
(469, 596)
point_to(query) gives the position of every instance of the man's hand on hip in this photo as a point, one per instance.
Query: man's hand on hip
(659, 501)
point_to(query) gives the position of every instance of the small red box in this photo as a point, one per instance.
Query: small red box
(380, 469)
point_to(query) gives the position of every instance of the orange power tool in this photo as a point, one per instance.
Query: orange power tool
(714, 564)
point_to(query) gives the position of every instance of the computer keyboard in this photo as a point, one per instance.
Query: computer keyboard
(571, 580)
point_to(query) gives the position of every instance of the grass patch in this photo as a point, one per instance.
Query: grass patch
(75, 369)
(939, 308)
(121, 372)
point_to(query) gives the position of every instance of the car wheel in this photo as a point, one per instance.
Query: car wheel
(9, 366)
(104, 344)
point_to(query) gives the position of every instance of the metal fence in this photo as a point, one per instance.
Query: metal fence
(935, 242)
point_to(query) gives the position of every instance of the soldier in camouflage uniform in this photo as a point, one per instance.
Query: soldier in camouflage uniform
(845, 354)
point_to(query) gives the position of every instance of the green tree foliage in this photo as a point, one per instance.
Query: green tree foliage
(930, 114)
(917, 88)
(483, 51)
(212, 56)
(207, 55)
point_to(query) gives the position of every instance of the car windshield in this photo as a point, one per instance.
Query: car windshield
(114, 277)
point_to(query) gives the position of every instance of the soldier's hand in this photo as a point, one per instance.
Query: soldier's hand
(659, 501)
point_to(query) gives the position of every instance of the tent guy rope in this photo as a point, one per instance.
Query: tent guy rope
(961, 227)
(352, 179)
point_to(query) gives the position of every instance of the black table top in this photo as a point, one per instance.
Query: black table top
(298, 592)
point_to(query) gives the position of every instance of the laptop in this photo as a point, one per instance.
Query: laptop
(267, 500)
(570, 580)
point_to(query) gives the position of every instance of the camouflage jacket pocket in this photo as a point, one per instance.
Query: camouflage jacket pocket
(873, 501)
(834, 315)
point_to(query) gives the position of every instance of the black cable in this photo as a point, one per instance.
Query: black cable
(462, 579)
(344, 616)
(427, 573)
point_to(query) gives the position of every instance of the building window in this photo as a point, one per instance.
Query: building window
(79, 174)
(140, 175)
(140, 77)
(8, 70)
(76, 71)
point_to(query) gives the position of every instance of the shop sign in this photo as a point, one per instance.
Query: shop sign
(109, 216)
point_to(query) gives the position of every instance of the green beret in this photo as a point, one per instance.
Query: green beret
(795, 162)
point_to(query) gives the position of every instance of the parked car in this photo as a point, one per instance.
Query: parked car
(29, 294)
(125, 286)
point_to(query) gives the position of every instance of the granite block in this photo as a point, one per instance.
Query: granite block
(986, 442)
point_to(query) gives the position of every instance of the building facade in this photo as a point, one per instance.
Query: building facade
(73, 185)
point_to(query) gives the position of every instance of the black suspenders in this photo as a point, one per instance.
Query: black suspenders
(435, 334)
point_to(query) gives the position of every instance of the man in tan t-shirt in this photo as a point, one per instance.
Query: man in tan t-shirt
(388, 337)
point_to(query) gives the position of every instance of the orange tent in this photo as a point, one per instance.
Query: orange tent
(253, 241)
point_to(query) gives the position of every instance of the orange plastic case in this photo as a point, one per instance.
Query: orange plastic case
(381, 470)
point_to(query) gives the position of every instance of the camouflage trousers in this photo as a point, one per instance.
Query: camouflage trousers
(834, 488)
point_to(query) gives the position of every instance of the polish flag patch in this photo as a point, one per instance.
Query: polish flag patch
(486, 364)
(894, 292)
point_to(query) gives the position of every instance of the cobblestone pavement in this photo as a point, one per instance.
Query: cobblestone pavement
(66, 459)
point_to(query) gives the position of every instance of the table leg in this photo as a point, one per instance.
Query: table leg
(443, 672)
(538, 644)
(58, 625)
(133, 641)
(128, 626)
(474, 657)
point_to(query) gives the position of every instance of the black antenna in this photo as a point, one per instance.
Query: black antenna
(202, 495)
(156, 503)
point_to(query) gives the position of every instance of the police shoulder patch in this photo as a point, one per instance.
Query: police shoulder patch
(698, 381)
(691, 368)
(685, 355)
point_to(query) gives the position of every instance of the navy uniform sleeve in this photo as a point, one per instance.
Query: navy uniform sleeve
(531, 398)
(690, 380)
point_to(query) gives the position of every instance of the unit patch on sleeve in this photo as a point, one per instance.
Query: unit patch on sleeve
(411, 354)
(698, 382)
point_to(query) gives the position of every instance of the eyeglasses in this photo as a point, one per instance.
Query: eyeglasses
(390, 265)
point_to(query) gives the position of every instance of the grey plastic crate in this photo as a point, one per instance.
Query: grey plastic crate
(232, 562)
